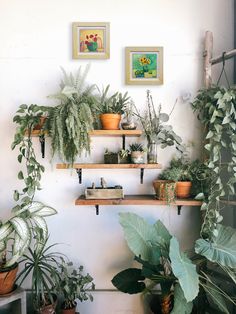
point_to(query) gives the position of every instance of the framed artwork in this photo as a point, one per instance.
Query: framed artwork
(91, 40)
(144, 65)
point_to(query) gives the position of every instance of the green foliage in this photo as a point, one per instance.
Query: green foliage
(184, 270)
(115, 103)
(136, 147)
(155, 128)
(216, 109)
(23, 227)
(41, 264)
(129, 281)
(73, 284)
(27, 117)
(71, 120)
(180, 304)
(222, 249)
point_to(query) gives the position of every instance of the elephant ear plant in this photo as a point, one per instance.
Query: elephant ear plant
(71, 120)
(162, 263)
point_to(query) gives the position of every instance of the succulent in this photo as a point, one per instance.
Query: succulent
(136, 147)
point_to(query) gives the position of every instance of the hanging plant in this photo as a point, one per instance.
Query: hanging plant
(216, 108)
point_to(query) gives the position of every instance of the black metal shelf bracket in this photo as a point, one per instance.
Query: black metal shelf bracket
(141, 175)
(79, 172)
(123, 141)
(179, 207)
(42, 144)
(97, 209)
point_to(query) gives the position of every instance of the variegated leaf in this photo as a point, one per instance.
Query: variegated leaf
(5, 230)
(41, 223)
(21, 228)
(46, 211)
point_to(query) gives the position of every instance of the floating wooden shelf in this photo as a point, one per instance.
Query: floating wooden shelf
(79, 167)
(137, 200)
(108, 166)
(115, 133)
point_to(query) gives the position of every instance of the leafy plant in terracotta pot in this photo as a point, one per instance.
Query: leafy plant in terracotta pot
(165, 267)
(111, 108)
(72, 285)
(137, 153)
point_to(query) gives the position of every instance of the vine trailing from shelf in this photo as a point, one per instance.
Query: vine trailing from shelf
(216, 108)
(27, 117)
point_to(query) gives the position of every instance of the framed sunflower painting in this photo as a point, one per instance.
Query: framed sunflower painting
(144, 65)
(91, 40)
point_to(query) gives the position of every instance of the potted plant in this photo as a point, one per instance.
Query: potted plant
(163, 263)
(111, 108)
(110, 157)
(137, 153)
(128, 121)
(124, 156)
(42, 266)
(156, 130)
(71, 121)
(180, 172)
(165, 190)
(72, 285)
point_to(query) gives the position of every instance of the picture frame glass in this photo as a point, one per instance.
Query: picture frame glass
(144, 65)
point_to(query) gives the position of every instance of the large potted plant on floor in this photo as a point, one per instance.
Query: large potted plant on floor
(162, 263)
(111, 108)
(72, 285)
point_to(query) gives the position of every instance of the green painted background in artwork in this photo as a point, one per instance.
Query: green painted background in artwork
(138, 69)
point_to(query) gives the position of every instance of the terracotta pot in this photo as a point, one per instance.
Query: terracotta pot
(165, 190)
(70, 311)
(110, 121)
(7, 279)
(50, 308)
(41, 123)
(183, 189)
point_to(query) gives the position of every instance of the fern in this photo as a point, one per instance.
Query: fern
(71, 121)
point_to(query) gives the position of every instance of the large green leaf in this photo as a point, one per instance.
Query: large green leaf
(222, 250)
(21, 228)
(181, 306)
(162, 232)
(216, 297)
(139, 236)
(129, 281)
(184, 270)
(5, 230)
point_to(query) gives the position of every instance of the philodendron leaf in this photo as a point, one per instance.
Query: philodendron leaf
(180, 303)
(162, 232)
(222, 250)
(129, 281)
(184, 270)
(21, 228)
(139, 236)
(216, 297)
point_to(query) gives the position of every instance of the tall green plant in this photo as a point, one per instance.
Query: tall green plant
(71, 120)
(216, 109)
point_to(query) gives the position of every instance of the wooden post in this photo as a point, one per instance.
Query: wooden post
(207, 58)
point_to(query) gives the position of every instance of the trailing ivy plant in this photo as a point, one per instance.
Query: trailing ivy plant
(216, 108)
(71, 120)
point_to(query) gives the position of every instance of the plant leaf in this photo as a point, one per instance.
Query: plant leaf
(129, 281)
(180, 303)
(222, 250)
(184, 270)
(139, 236)
(5, 230)
(216, 297)
(21, 228)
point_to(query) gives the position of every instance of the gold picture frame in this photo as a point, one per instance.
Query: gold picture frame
(144, 65)
(91, 40)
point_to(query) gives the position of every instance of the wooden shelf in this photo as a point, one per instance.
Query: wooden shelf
(108, 166)
(115, 133)
(136, 200)
(102, 133)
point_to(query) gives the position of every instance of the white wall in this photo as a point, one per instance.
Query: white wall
(35, 39)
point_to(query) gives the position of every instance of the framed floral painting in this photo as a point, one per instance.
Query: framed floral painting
(91, 40)
(144, 65)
